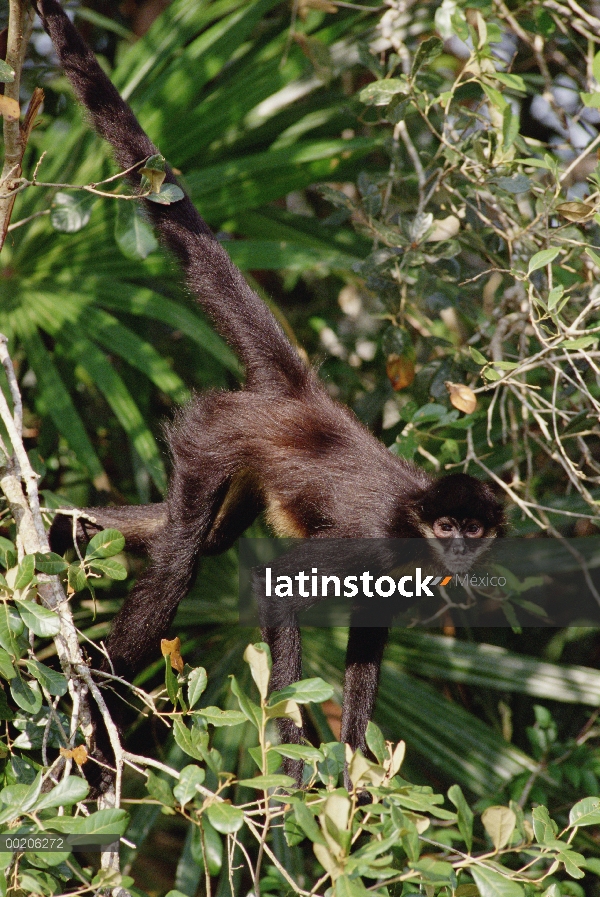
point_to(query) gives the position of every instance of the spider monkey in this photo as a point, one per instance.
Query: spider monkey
(280, 444)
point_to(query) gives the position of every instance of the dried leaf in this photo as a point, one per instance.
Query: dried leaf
(79, 754)
(444, 229)
(321, 5)
(461, 397)
(400, 371)
(575, 211)
(9, 108)
(171, 648)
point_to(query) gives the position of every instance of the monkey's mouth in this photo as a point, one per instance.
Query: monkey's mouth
(458, 564)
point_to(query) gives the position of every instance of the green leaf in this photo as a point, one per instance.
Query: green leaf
(251, 711)
(545, 829)
(40, 620)
(375, 741)
(495, 97)
(217, 717)
(7, 670)
(69, 791)
(143, 303)
(465, 814)
(581, 343)
(476, 355)
(102, 822)
(265, 782)
(300, 752)
(185, 789)
(585, 812)
(76, 577)
(427, 51)
(192, 742)
(517, 184)
(543, 258)
(134, 236)
(259, 659)
(225, 818)
(54, 683)
(111, 568)
(492, 884)
(168, 194)
(499, 823)
(11, 625)
(197, 682)
(554, 297)
(19, 799)
(54, 399)
(7, 75)
(25, 572)
(593, 255)
(171, 682)
(490, 374)
(307, 823)
(97, 366)
(50, 563)
(306, 691)
(26, 695)
(105, 544)
(515, 82)
(160, 789)
(591, 100)
(71, 211)
(380, 93)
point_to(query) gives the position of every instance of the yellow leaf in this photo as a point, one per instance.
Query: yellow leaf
(79, 754)
(461, 397)
(9, 108)
(171, 648)
(400, 371)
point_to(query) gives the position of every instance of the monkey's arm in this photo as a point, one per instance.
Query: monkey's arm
(138, 523)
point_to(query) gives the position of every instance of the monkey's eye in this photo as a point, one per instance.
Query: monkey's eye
(474, 530)
(443, 528)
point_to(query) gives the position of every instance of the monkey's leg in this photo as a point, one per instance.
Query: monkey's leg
(363, 662)
(138, 523)
(202, 517)
(286, 653)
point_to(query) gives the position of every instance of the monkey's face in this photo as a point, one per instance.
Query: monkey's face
(458, 542)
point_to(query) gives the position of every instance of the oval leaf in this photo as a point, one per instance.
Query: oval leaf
(543, 258)
(225, 818)
(492, 884)
(105, 544)
(304, 692)
(25, 572)
(461, 397)
(265, 782)
(50, 563)
(197, 681)
(189, 778)
(69, 791)
(259, 658)
(38, 619)
(585, 812)
(111, 568)
(499, 823)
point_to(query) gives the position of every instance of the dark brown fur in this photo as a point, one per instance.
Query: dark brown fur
(279, 444)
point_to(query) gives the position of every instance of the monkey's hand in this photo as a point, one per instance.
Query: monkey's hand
(67, 527)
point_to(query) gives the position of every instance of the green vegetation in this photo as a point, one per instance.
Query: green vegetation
(416, 191)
